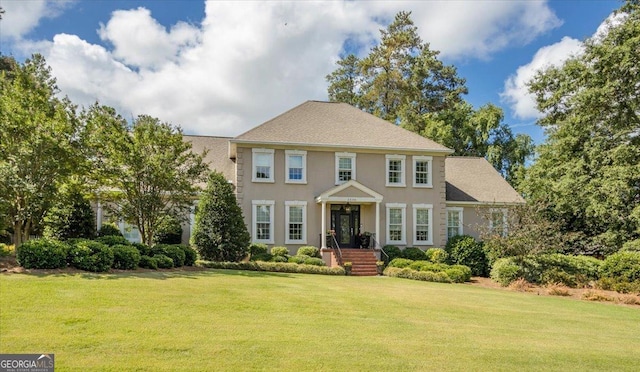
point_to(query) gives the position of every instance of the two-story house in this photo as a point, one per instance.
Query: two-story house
(328, 170)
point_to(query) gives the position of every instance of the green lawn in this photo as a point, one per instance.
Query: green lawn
(233, 320)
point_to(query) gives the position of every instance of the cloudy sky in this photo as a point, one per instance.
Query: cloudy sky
(222, 67)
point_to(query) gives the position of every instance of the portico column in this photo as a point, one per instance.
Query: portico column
(323, 233)
(377, 222)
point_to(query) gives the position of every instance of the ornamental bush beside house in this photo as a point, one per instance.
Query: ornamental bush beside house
(109, 229)
(175, 252)
(464, 250)
(112, 240)
(413, 253)
(91, 256)
(125, 257)
(280, 251)
(309, 251)
(169, 231)
(42, 254)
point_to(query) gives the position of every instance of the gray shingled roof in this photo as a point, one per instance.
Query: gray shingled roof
(218, 155)
(471, 179)
(316, 123)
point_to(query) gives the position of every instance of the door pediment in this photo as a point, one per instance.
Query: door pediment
(351, 191)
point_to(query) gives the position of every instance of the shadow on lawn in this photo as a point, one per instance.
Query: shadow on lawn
(187, 273)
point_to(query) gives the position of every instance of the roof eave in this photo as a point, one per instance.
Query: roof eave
(234, 142)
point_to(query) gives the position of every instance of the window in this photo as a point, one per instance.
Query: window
(296, 166)
(454, 222)
(130, 232)
(296, 220)
(498, 221)
(422, 171)
(262, 221)
(422, 226)
(345, 167)
(262, 165)
(395, 170)
(396, 216)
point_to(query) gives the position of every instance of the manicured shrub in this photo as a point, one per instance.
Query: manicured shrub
(564, 269)
(622, 266)
(413, 253)
(164, 262)
(505, 271)
(309, 251)
(631, 246)
(148, 262)
(315, 261)
(112, 240)
(279, 259)
(263, 257)
(144, 249)
(91, 256)
(125, 257)
(299, 258)
(173, 251)
(425, 276)
(400, 262)
(437, 255)
(109, 229)
(42, 254)
(281, 267)
(392, 251)
(424, 265)
(464, 250)
(190, 255)
(168, 231)
(257, 249)
(280, 251)
(458, 273)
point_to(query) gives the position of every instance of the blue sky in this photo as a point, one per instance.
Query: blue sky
(220, 68)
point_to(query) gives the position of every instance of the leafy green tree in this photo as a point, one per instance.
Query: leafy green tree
(220, 233)
(71, 216)
(169, 231)
(588, 169)
(39, 143)
(402, 81)
(147, 171)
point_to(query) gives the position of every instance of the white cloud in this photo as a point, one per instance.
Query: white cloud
(20, 17)
(249, 61)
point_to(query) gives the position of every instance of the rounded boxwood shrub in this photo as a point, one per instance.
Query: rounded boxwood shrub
(42, 254)
(125, 257)
(279, 259)
(299, 258)
(464, 250)
(392, 251)
(112, 240)
(505, 271)
(109, 229)
(144, 249)
(190, 255)
(413, 253)
(436, 255)
(164, 262)
(458, 273)
(622, 266)
(258, 249)
(631, 246)
(400, 263)
(315, 261)
(265, 257)
(91, 256)
(280, 251)
(309, 251)
(172, 251)
(148, 262)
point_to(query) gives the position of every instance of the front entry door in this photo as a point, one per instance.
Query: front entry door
(345, 221)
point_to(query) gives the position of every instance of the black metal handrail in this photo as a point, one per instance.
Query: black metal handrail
(336, 246)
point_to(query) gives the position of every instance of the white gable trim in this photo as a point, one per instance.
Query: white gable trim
(328, 196)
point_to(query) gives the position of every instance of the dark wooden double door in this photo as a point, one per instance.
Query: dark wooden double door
(345, 221)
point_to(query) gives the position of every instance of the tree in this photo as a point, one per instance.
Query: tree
(220, 233)
(72, 215)
(39, 140)
(169, 231)
(588, 169)
(402, 81)
(147, 171)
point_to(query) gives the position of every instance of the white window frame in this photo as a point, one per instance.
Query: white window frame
(460, 211)
(504, 212)
(287, 207)
(255, 152)
(429, 209)
(403, 207)
(339, 155)
(429, 160)
(303, 154)
(126, 229)
(403, 172)
(254, 221)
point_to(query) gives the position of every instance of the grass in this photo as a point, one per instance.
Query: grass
(235, 320)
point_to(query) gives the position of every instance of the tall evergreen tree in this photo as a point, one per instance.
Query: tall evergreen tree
(220, 233)
(72, 215)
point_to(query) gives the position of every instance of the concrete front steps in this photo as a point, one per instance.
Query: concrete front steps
(363, 261)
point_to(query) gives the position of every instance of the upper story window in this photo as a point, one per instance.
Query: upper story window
(262, 165)
(296, 166)
(422, 166)
(395, 170)
(345, 167)
(454, 221)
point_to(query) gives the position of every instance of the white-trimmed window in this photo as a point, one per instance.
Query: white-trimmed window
(422, 166)
(396, 223)
(130, 232)
(296, 222)
(345, 167)
(262, 165)
(296, 166)
(454, 221)
(422, 224)
(262, 221)
(498, 221)
(395, 170)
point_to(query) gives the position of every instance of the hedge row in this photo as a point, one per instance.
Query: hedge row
(281, 267)
(437, 272)
(307, 255)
